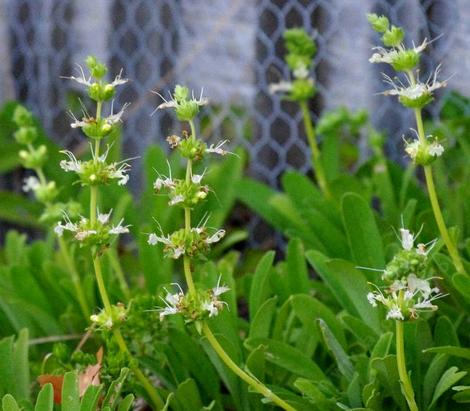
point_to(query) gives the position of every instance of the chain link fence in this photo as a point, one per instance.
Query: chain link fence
(232, 48)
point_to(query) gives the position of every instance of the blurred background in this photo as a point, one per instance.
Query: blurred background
(232, 49)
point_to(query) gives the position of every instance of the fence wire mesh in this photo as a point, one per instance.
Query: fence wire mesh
(232, 48)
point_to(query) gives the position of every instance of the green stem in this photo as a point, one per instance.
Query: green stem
(72, 269)
(407, 388)
(149, 388)
(316, 156)
(451, 247)
(115, 264)
(257, 385)
(70, 264)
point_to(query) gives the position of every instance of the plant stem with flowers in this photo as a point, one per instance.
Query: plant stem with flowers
(46, 192)
(301, 49)
(197, 306)
(97, 232)
(407, 293)
(415, 95)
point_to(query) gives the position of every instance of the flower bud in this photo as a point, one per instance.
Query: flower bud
(405, 262)
(424, 154)
(405, 60)
(378, 23)
(46, 193)
(108, 92)
(35, 158)
(302, 89)
(186, 110)
(96, 129)
(101, 92)
(419, 99)
(393, 37)
(97, 69)
(192, 149)
(26, 135)
(181, 93)
(22, 117)
(298, 42)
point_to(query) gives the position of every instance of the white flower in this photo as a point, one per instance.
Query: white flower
(72, 164)
(218, 289)
(116, 118)
(211, 306)
(412, 149)
(176, 199)
(301, 72)
(59, 229)
(104, 218)
(82, 79)
(118, 80)
(394, 313)
(197, 178)
(119, 229)
(371, 298)
(217, 236)
(435, 149)
(120, 172)
(178, 252)
(414, 90)
(155, 239)
(172, 302)
(217, 149)
(164, 181)
(407, 239)
(82, 235)
(383, 55)
(30, 184)
(388, 56)
(172, 103)
(281, 87)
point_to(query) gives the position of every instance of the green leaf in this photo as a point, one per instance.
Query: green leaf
(18, 210)
(461, 283)
(193, 359)
(382, 347)
(287, 357)
(70, 395)
(45, 400)
(445, 333)
(348, 285)
(387, 372)
(9, 403)
(362, 232)
(433, 373)
(448, 379)
(309, 309)
(126, 403)
(343, 362)
(261, 325)
(114, 391)
(186, 397)
(260, 284)
(91, 397)
(452, 351)
(297, 267)
(256, 362)
(365, 334)
(21, 366)
(310, 389)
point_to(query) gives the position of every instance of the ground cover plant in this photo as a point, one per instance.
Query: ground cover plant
(125, 303)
